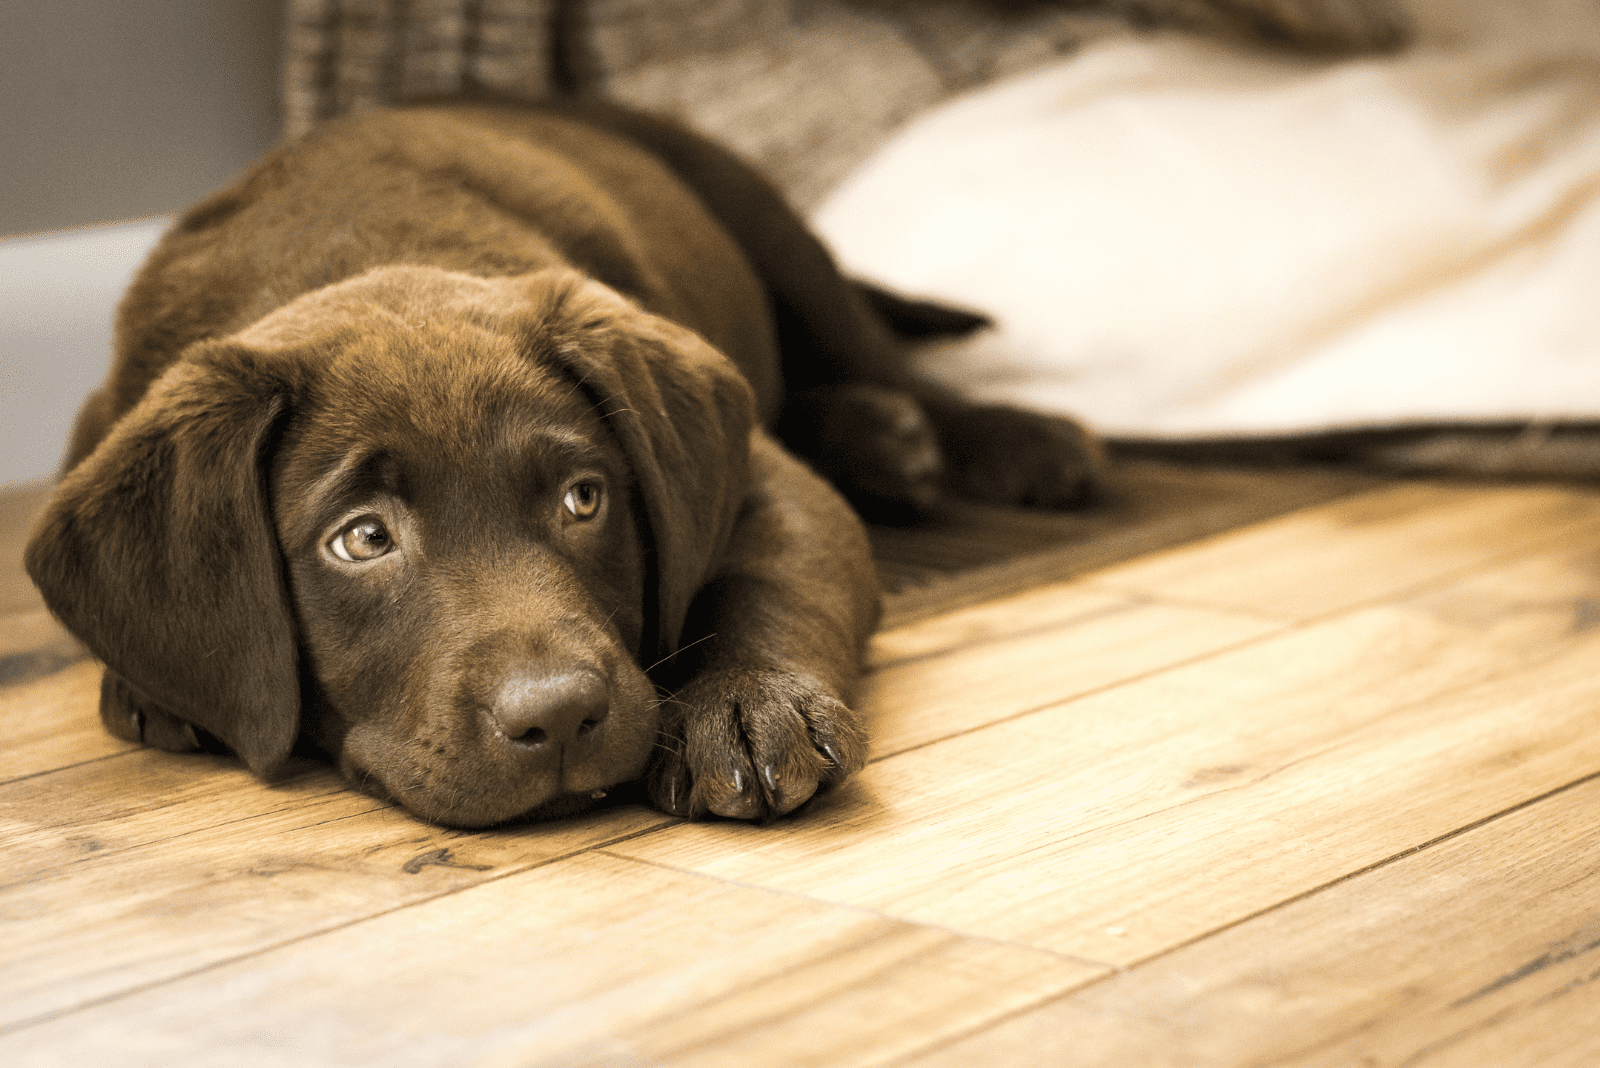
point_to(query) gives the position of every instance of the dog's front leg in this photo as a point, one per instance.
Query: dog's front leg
(761, 721)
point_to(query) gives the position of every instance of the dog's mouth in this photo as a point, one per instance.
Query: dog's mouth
(416, 798)
(569, 805)
(468, 784)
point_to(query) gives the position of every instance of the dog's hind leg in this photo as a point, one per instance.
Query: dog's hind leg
(887, 437)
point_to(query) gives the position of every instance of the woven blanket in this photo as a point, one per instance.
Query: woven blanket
(805, 89)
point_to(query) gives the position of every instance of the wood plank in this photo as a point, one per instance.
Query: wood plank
(150, 865)
(272, 867)
(985, 664)
(53, 722)
(1357, 550)
(1187, 800)
(1042, 608)
(1480, 950)
(98, 809)
(1018, 653)
(875, 1002)
(594, 958)
(969, 552)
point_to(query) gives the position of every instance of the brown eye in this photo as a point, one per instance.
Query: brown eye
(365, 539)
(582, 499)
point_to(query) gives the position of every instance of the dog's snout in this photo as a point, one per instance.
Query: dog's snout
(536, 707)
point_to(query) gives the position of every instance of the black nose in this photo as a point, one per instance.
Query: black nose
(544, 707)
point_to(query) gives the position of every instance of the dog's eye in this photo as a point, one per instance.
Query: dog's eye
(582, 499)
(365, 539)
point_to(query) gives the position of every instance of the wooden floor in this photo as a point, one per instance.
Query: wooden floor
(1321, 791)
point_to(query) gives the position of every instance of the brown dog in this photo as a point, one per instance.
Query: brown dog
(437, 442)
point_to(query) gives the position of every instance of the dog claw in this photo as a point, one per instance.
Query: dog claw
(775, 791)
(786, 797)
(669, 789)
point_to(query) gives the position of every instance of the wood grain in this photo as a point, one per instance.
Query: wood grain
(881, 998)
(1482, 950)
(969, 553)
(1358, 550)
(116, 877)
(54, 722)
(987, 664)
(593, 958)
(1118, 825)
(1048, 607)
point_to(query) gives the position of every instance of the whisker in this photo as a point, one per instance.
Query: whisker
(670, 655)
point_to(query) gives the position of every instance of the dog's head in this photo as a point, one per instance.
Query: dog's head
(434, 521)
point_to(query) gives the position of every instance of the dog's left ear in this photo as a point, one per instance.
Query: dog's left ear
(683, 414)
(157, 551)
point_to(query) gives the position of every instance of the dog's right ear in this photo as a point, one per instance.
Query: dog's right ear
(157, 551)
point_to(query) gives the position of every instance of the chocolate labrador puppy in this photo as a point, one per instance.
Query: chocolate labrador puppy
(439, 442)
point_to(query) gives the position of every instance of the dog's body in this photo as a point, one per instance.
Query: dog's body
(432, 436)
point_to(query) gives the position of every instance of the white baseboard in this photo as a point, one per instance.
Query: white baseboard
(58, 293)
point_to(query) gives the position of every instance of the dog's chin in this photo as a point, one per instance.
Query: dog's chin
(485, 810)
(480, 800)
(479, 816)
(563, 806)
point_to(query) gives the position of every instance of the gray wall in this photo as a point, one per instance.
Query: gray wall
(113, 109)
(109, 110)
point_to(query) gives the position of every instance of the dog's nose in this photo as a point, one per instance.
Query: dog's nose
(539, 708)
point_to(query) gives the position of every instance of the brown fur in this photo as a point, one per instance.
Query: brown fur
(523, 359)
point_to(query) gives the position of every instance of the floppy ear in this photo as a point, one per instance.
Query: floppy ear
(683, 414)
(157, 551)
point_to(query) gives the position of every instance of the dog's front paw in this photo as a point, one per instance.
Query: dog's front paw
(753, 744)
(1003, 455)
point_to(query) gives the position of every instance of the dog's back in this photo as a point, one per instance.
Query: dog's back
(485, 191)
